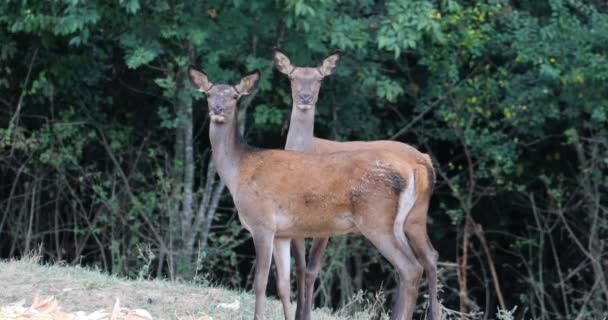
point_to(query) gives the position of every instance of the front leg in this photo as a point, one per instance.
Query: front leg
(282, 260)
(315, 258)
(299, 252)
(262, 240)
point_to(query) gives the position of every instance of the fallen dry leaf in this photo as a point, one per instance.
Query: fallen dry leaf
(115, 310)
(137, 314)
(49, 309)
(48, 305)
(236, 305)
(191, 317)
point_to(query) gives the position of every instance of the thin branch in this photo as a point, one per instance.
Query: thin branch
(132, 196)
(15, 117)
(5, 102)
(484, 244)
(417, 118)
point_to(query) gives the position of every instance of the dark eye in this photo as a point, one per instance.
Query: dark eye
(235, 96)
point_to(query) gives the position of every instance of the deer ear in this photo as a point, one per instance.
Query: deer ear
(330, 63)
(281, 61)
(249, 83)
(199, 80)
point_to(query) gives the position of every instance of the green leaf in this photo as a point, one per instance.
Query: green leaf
(140, 56)
(132, 6)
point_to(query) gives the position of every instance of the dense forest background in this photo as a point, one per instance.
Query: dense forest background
(105, 159)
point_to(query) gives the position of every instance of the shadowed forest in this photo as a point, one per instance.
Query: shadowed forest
(105, 158)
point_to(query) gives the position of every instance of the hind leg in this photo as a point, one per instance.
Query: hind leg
(410, 271)
(417, 235)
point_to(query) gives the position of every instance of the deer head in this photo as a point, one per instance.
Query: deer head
(305, 82)
(222, 98)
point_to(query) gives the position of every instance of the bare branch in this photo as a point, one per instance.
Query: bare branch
(15, 117)
(417, 118)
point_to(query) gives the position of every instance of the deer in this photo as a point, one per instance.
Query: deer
(305, 87)
(283, 194)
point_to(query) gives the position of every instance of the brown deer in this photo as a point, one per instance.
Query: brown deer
(283, 194)
(305, 86)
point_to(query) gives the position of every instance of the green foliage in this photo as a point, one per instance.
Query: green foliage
(405, 25)
(509, 99)
(265, 116)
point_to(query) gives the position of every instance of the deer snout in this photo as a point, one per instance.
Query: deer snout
(217, 109)
(305, 98)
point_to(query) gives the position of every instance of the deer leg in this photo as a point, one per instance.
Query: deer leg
(262, 241)
(409, 270)
(415, 228)
(315, 258)
(427, 255)
(299, 252)
(282, 260)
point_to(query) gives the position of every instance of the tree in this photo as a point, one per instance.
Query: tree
(105, 158)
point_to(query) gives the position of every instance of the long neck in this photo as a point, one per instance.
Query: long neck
(301, 129)
(228, 149)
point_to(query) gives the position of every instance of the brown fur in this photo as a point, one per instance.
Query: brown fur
(415, 225)
(282, 194)
(325, 191)
(420, 160)
(301, 138)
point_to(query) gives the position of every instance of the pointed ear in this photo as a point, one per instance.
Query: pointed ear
(199, 80)
(249, 83)
(281, 61)
(330, 63)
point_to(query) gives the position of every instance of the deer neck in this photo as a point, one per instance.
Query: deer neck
(228, 150)
(301, 129)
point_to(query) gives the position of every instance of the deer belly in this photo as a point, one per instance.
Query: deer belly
(311, 225)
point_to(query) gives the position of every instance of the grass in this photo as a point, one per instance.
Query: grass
(81, 289)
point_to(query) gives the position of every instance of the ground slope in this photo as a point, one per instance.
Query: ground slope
(80, 289)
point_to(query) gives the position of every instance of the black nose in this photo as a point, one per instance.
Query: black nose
(305, 98)
(217, 109)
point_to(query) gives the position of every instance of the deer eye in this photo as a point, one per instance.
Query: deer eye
(235, 96)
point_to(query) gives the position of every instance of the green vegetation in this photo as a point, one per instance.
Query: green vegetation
(105, 159)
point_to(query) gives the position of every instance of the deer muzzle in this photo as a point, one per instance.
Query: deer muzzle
(304, 107)
(217, 118)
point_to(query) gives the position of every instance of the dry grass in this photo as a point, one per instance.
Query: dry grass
(81, 289)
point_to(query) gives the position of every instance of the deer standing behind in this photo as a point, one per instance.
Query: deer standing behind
(282, 194)
(305, 87)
